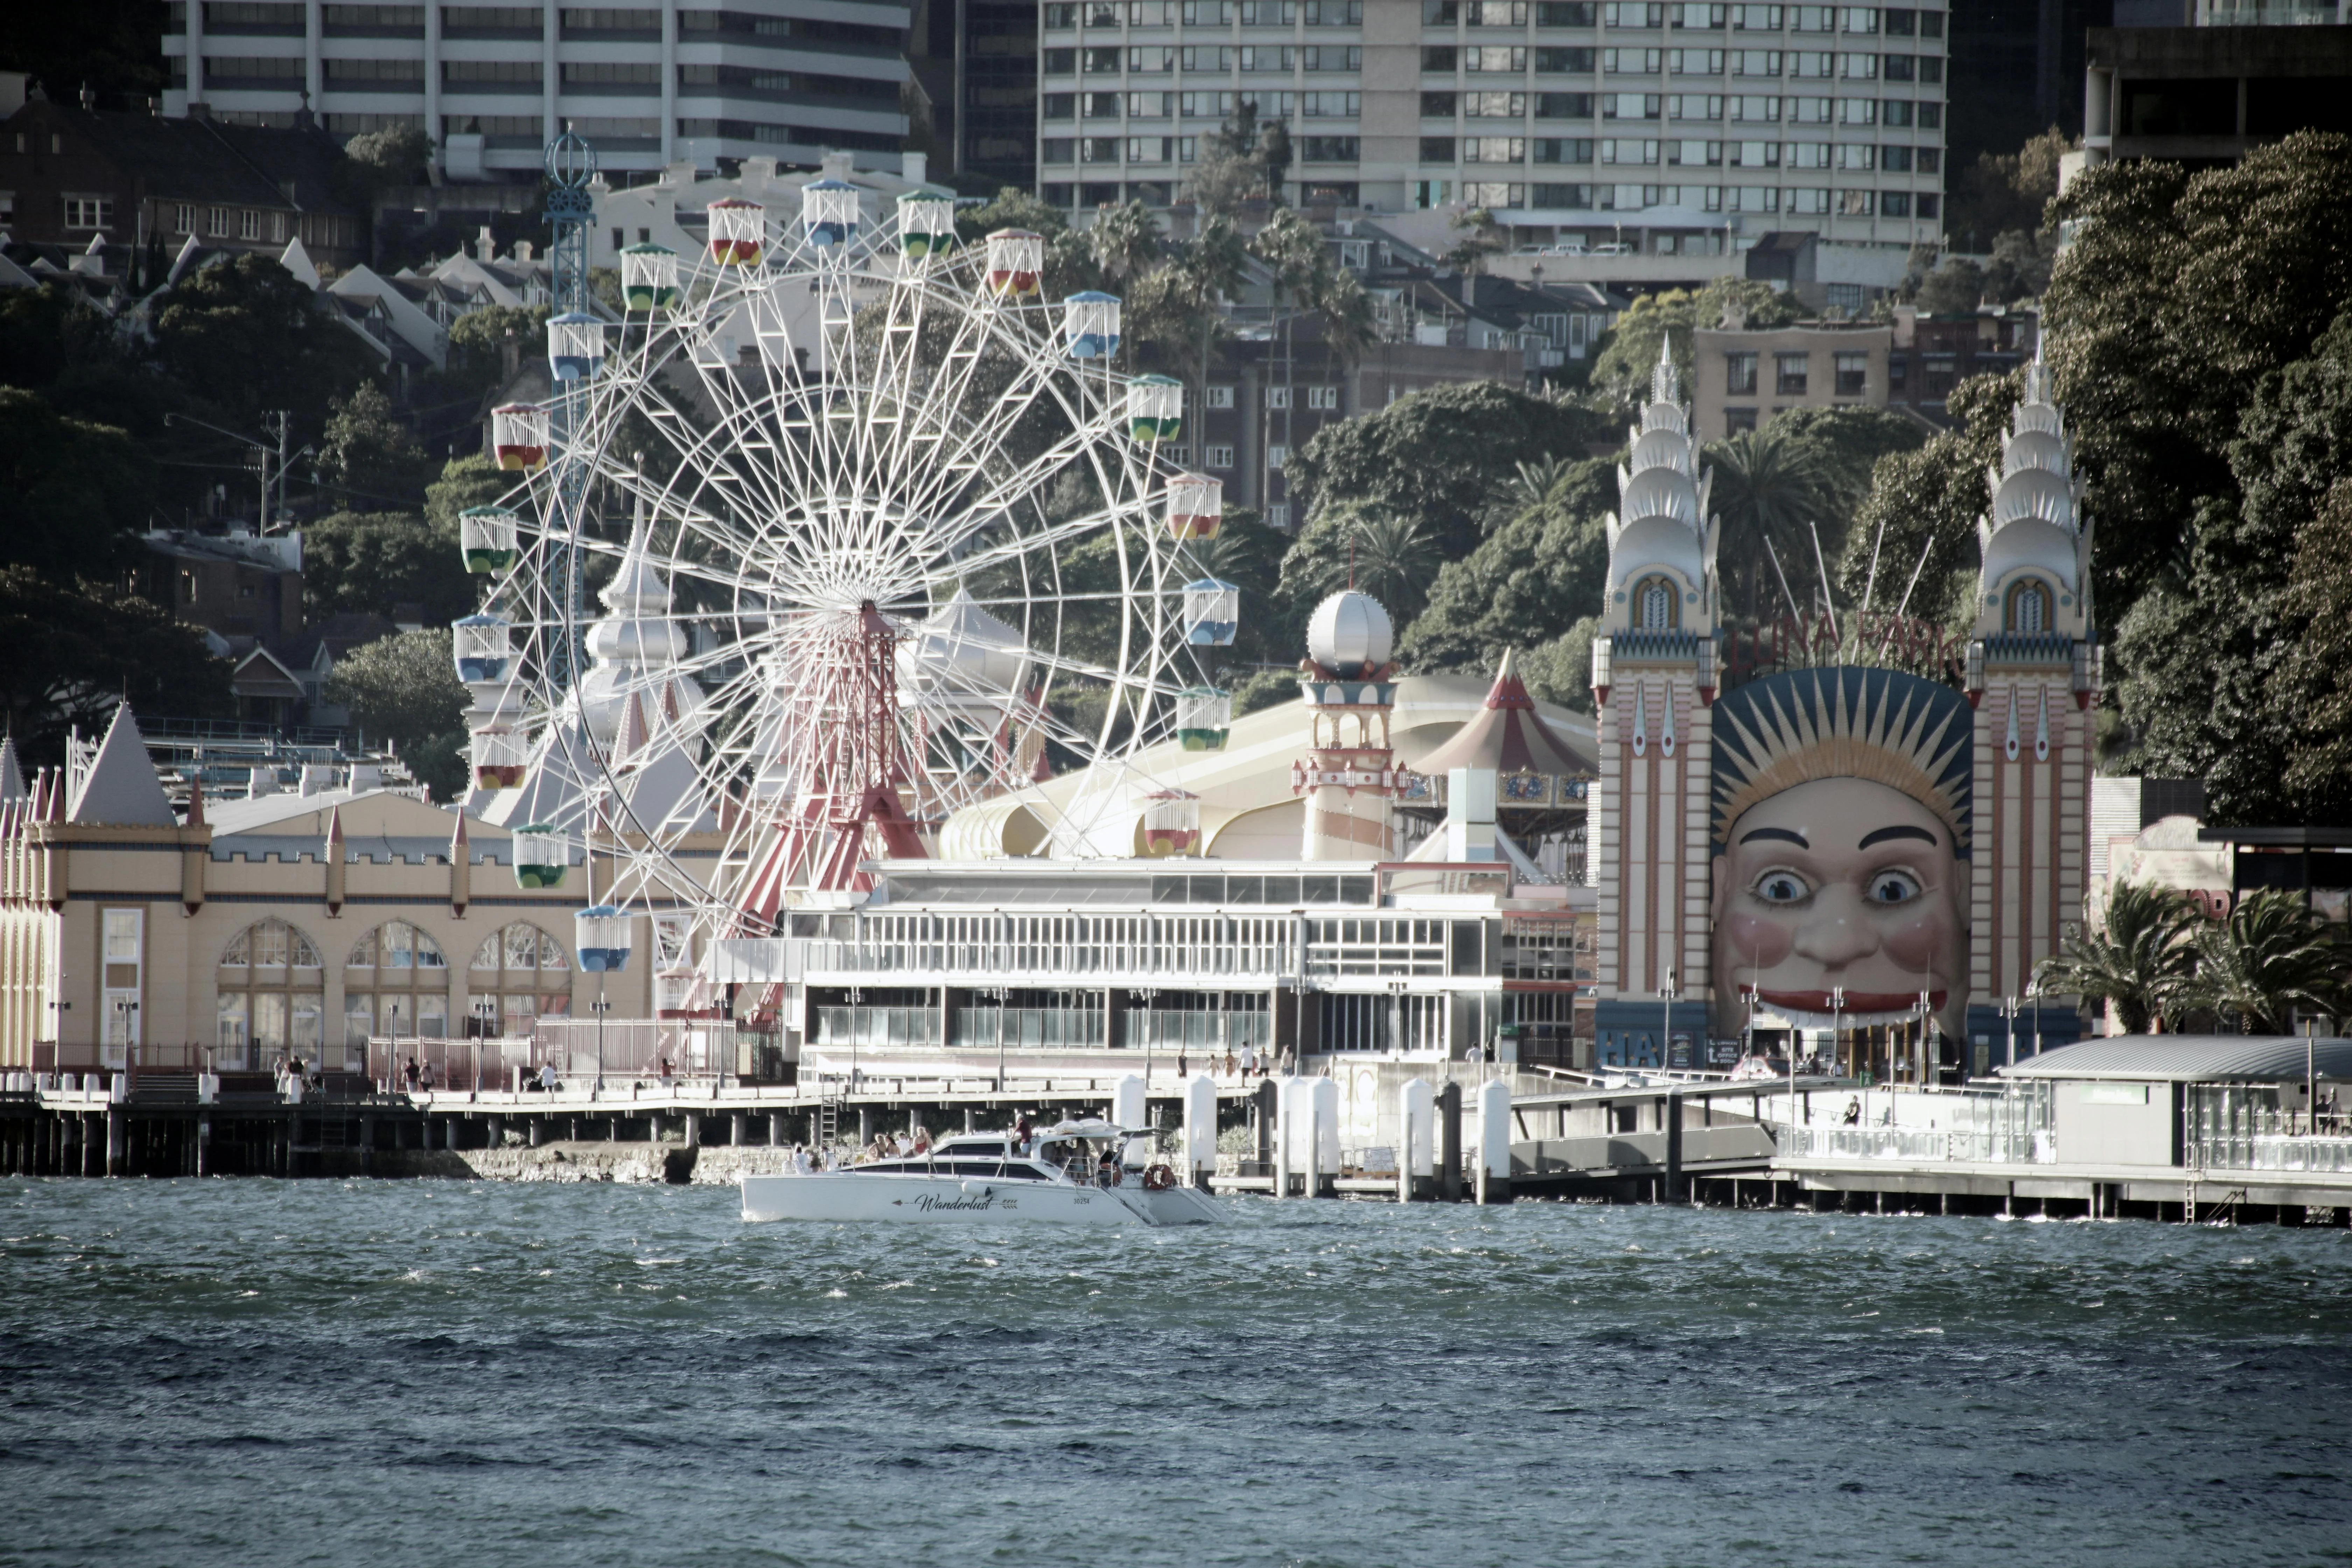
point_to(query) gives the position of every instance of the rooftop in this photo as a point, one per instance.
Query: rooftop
(2192, 1058)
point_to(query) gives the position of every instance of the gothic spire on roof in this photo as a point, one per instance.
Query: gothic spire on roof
(120, 788)
(12, 776)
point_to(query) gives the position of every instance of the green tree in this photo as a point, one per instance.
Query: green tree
(372, 561)
(405, 688)
(1013, 208)
(70, 652)
(1561, 670)
(478, 345)
(2178, 293)
(1389, 557)
(70, 493)
(2271, 958)
(1438, 457)
(2138, 960)
(1228, 171)
(367, 452)
(1629, 353)
(2006, 192)
(1955, 288)
(1481, 238)
(1771, 490)
(250, 338)
(1920, 515)
(2208, 655)
(1529, 582)
(464, 483)
(2315, 686)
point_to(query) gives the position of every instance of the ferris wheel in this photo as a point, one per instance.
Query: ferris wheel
(845, 535)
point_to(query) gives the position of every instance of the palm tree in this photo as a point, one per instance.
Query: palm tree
(2271, 957)
(2138, 960)
(1390, 558)
(1769, 489)
(1125, 241)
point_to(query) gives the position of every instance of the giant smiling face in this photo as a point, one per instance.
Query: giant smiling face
(1841, 882)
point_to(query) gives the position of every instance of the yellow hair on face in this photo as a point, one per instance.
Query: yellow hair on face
(1881, 725)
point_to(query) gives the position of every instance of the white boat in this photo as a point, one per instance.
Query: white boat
(986, 1176)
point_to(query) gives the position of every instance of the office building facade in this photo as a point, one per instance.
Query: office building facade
(647, 86)
(1683, 127)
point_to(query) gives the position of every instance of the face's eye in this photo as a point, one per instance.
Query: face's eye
(1782, 888)
(1894, 888)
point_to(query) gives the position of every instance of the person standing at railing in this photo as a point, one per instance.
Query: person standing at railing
(1853, 1113)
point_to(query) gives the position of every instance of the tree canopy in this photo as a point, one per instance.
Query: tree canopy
(71, 494)
(405, 688)
(247, 332)
(1439, 456)
(372, 561)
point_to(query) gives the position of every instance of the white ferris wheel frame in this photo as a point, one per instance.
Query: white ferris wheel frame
(803, 491)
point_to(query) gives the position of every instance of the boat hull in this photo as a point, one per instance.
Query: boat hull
(842, 1196)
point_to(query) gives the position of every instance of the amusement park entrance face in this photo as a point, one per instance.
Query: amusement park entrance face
(1841, 882)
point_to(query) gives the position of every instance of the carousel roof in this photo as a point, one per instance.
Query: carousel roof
(1509, 736)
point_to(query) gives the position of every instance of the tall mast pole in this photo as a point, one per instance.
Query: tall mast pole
(571, 213)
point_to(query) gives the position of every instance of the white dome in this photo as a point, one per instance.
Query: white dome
(1350, 635)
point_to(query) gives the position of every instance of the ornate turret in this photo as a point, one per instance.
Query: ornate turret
(635, 644)
(2034, 546)
(1654, 681)
(1349, 774)
(2033, 675)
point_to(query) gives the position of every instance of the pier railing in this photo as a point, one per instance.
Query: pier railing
(1914, 1143)
(2287, 1151)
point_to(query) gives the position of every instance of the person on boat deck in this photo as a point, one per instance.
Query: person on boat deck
(1107, 1168)
(1022, 1130)
(1853, 1112)
(923, 1141)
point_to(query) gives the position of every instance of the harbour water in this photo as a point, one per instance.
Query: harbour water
(422, 1373)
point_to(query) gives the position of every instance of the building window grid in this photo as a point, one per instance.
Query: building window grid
(1713, 18)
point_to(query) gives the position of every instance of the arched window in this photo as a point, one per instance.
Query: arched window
(2029, 607)
(272, 999)
(1657, 606)
(396, 982)
(520, 974)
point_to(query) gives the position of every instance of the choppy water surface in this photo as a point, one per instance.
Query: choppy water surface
(425, 1373)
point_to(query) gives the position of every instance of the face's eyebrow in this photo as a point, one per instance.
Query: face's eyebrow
(1784, 834)
(1886, 834)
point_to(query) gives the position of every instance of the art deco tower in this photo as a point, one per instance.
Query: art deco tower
(1654, 680)
(2033, 675)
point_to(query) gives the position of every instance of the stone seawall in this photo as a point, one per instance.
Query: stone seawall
(585, 1162)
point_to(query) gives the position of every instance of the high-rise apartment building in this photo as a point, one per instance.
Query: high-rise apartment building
(648, 86)
(1679, 126)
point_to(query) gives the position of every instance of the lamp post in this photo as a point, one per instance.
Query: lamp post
(1837, 1006)
(996, 994)
(2009, 1026)
(1926, 1003)
(1666, 1021)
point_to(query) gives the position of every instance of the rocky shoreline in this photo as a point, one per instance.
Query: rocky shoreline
(677, 1165)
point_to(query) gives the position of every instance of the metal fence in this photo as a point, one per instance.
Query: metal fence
(1914, 1143)
(2287, 1153)
(626, 1051)
(1034, 1027)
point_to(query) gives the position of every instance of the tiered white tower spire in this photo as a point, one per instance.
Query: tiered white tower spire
(1654, 680)
(2033, 676)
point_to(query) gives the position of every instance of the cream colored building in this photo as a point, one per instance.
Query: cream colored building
(254, 928)
(1744, 378)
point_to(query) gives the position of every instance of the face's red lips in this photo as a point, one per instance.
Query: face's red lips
(1856, 1001)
